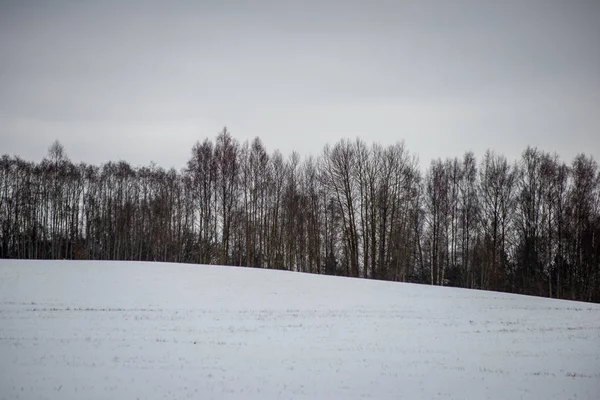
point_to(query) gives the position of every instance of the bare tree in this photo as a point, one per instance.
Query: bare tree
(339, 165)
(226, 156)
(497, 183)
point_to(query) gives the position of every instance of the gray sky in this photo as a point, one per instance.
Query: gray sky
(143, 81)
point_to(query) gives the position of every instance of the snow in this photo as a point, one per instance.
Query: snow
(126, 330)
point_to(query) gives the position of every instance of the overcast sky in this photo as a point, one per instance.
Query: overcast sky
(143, 81)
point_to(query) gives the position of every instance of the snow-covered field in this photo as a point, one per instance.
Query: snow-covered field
(123, 330)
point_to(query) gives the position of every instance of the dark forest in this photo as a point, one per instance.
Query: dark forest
(359, 210)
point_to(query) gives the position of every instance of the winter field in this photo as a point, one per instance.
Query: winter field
(124, 330)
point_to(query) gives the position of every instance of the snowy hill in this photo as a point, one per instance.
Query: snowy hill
(124, 330)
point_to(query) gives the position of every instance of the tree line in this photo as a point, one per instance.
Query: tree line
(359, 210)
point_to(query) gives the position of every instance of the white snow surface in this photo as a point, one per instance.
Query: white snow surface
(127, 330)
